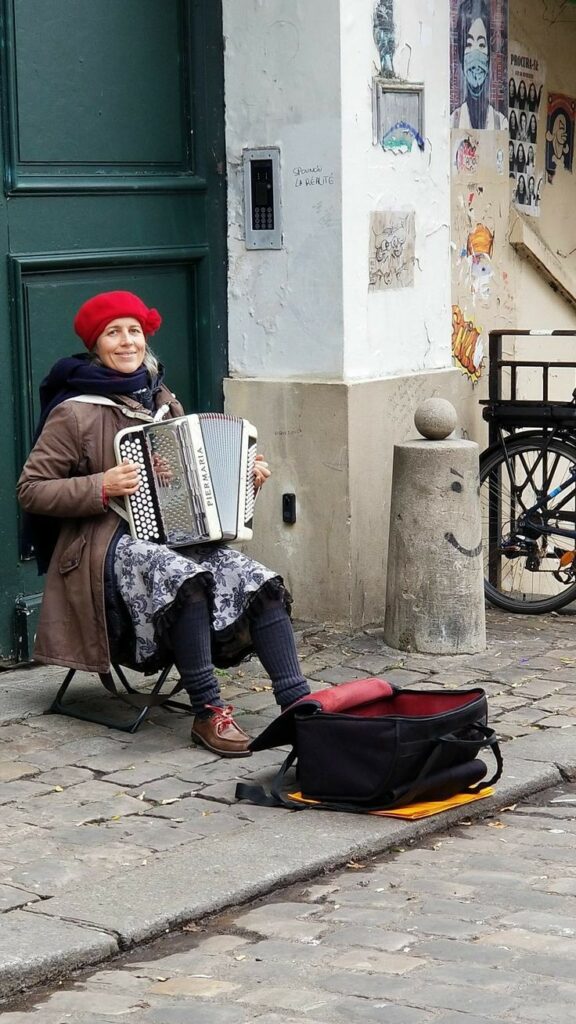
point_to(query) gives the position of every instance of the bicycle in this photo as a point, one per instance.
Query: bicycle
(528, 497)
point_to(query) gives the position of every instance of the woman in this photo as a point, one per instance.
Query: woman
(523, 126)
(511, 93)
(521, 190)
(511, 160)
(531, 200)
(522, 96)
(473, 47)
(532, 97)
(520, 159)
(530, 156)
(513, 125)
(532, 129)
(108, 596)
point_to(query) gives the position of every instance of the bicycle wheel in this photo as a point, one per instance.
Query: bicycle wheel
(526, 568)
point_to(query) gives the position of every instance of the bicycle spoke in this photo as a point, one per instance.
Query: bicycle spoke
(522, 553)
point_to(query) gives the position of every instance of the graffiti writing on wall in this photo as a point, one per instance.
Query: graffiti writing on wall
(467, 347)
(392, 249)
(478, 63)
(559, 133)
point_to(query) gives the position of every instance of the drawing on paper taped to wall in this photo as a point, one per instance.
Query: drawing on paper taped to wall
(384, 36)
(478, 62)
(467, 347)
(559, 133)
(392, 249)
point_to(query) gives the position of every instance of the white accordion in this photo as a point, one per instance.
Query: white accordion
(197, 479)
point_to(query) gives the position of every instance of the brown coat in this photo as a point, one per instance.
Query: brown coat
(63, 477)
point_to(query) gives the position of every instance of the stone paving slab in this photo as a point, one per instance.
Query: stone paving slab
(47, 949)
(476, 945)
(115, 838)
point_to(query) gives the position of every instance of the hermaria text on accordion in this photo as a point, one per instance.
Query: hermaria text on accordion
(197, 479)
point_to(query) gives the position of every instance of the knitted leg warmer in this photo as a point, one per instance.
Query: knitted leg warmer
(273, 639)
(190, 640)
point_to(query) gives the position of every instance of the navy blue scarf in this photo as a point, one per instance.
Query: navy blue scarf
(79, 375)
(70, 377)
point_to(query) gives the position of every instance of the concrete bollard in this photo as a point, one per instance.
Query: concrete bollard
(435, 579)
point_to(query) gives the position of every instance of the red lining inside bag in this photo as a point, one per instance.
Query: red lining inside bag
(369, 698)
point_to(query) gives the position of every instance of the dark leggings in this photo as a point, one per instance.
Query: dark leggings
(273, 639)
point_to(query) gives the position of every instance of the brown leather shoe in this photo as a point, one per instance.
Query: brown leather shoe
(220, 733)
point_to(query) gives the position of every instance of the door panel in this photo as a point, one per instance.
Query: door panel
(113, 156)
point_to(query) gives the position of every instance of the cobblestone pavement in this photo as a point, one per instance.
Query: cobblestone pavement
(109, 839)
(475, 926)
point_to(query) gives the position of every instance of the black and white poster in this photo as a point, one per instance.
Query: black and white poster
(525, 128)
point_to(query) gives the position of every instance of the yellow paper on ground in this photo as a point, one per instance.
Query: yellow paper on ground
(414, 811)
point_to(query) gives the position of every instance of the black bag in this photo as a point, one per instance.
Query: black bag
(367, 745)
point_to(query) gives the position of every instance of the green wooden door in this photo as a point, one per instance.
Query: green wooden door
(113, 173)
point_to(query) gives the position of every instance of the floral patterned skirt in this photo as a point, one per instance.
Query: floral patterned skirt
(153, 580)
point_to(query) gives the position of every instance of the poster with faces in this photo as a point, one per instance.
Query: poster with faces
(525, 128)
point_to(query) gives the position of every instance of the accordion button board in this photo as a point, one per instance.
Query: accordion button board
(197, 479)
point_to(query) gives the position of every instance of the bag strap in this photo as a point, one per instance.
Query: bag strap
(275, 798)
(490, 740)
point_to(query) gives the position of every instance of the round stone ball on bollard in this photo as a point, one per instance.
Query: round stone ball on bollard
(435, 578)
(435, 418)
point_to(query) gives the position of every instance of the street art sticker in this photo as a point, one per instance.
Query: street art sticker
(384, 36)
(525, 164)
(559, 133)
(473, 230)
(466, 155)
(478, 64)
(478, 260)
(392, 249)
(467, 347)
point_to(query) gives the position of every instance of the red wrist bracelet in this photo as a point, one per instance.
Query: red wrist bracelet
(105, 498)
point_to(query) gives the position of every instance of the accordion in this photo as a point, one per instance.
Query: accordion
(197, 479)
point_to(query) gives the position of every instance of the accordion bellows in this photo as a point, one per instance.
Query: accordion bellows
(197, 476)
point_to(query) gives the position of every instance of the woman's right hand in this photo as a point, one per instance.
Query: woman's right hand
(122, 480)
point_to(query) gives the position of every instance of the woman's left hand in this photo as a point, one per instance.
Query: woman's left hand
(261, 472)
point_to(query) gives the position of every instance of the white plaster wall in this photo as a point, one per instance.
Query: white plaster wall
(406, 329)
(282, 83)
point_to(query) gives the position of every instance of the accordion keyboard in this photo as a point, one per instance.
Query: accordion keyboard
(143, 504)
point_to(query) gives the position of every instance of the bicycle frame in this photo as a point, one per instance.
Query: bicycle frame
(542, 502)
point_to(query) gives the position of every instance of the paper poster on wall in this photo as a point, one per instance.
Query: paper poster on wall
(392, 249)
(525, 117)
(559, 133)
(478, 64)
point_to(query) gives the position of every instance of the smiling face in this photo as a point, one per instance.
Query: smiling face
(122, 345)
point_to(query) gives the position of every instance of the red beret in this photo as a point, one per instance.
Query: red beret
(95, 314)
